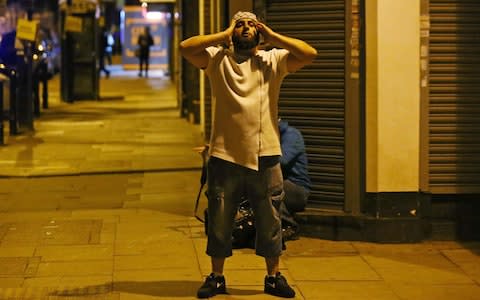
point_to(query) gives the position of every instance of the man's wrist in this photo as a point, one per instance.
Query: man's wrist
(226, 37)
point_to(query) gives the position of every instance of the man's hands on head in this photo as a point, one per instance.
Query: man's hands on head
(194, 48)
(300, 54)
(229, 33)
(265, 31)
(262, 29)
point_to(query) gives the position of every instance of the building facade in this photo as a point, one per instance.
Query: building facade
(389, 111)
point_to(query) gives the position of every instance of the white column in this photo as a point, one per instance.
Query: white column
(392, 95)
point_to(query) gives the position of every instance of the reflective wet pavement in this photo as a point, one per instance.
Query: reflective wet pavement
(98, 203)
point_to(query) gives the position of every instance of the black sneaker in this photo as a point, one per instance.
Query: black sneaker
(278, 286)
(212, 286)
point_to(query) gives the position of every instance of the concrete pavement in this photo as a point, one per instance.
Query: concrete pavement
(97, 203)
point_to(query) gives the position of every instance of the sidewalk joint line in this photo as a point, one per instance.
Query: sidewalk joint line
(111, 172)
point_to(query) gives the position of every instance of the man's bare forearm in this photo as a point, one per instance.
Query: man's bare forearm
(298, 48)
(196, 44)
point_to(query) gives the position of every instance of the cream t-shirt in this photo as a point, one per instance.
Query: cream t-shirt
(245, 104)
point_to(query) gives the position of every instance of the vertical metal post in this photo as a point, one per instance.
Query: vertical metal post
(424, 169)
(45, 92)
(36, 96)
(66, 72)
(13, 114)
(354, 123)
(1, 112)
(26, 80)
(29, 58)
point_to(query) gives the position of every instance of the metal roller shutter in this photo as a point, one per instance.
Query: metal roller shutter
(454, 96)
(313, 99)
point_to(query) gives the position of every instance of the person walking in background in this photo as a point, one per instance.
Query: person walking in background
(145, 41)
(101, 53)
(296, 181)
(109, 43)
(245, 143)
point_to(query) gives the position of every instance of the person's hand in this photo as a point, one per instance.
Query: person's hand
(265, 31)
(229, 34)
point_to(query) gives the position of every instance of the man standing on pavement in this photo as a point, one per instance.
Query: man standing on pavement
(244, 142)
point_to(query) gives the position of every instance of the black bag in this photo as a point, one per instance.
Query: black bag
(243, 234)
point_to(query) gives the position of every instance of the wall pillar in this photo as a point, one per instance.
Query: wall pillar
(393, 118)
(392, 95)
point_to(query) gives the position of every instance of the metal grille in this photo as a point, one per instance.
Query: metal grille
(313, 99)
(454, 96)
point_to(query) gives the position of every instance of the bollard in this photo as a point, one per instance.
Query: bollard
(36, 96)
(13, 103)
(12, 113)
(45, 92)
(40, 79)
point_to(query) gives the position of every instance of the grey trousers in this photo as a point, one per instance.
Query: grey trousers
(227, 183)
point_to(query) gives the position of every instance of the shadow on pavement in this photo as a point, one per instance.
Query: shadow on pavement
(168, 288)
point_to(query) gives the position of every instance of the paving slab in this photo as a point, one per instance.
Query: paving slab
(466, 259)
(153, 262)
(74, 253)
(75, 268)
(167, 249)
(436, 291)
(13, 266)
(434, 269)
(338, 268)
(155, 295)
(31, 216)
(157, 284)
(251, 292)
(358, 290)
(11, 282)
(21, 251)
(98, 203)
(312, 247)
(61, 283)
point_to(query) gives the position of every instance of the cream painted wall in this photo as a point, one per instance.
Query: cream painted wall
(393, 95)
(243, 5)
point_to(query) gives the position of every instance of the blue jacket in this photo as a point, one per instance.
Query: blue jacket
(294, 158)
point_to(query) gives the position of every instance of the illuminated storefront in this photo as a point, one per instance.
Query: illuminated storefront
(133, 21)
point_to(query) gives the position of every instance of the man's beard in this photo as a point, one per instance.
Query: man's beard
(242, 44)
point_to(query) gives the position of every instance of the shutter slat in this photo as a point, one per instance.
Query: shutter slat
(454, 66)
(313, 99)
